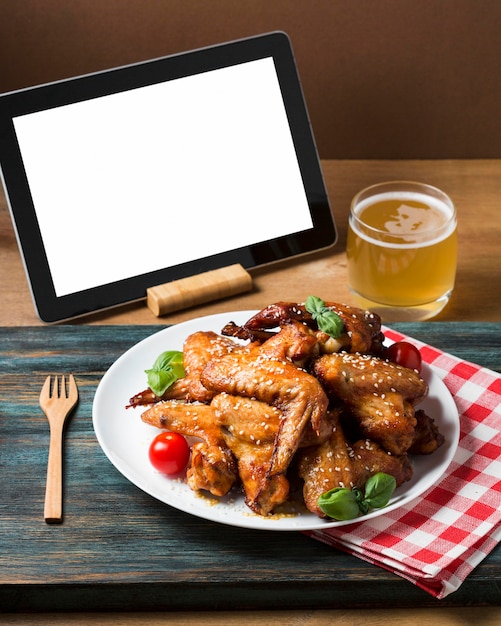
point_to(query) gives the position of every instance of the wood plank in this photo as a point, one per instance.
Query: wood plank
(486, 616)
(119, 549)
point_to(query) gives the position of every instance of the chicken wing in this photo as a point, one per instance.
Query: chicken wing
(249, 430)
(427, 437)
(337, 463)
(200, 348)
(298, 395)
(379, 395)
(212, 465)
(294, 342)
(362, 329)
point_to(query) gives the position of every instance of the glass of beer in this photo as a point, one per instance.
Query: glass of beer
(402, 250)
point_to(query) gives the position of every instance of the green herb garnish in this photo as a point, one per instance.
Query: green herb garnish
(343, 504)
(165, 371)
(327, 321)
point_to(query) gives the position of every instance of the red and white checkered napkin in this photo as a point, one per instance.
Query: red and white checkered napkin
(440, 537)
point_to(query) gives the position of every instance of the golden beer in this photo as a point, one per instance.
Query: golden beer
(402, 250)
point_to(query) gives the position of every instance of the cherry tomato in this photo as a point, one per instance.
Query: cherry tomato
(169, 453)
(405, 354)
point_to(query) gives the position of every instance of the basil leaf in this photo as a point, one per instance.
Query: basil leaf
(159, 381)
(314, 305)
(327, 320)
(379, 489)
(363, 506)
(339, 503)
(168, 368)
(331, 323)
(171, 358)
(343, 504)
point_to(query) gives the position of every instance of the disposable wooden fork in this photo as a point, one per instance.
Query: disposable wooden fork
(57, 404)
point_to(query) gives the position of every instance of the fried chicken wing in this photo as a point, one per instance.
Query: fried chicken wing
(294, 342)
(200, 348)
(249, 430)
(362, 328)
(212, 466)
(337, 463)
(298, 395)
(379, 395)
(369, 458)
(427, 437)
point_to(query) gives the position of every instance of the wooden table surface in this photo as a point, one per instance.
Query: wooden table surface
(474, 186)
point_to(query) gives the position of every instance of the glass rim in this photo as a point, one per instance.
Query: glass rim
(404, 186)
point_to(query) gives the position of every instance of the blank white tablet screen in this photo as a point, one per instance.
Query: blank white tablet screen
(150, 178)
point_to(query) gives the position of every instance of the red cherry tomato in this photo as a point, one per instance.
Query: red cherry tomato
(169, 453)
(405, 354)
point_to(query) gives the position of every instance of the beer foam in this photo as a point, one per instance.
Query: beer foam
(413, 225)
(411, 219)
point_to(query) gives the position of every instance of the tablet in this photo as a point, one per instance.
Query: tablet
(136, 176)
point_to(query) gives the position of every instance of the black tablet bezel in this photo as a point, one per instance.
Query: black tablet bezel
(51, 308)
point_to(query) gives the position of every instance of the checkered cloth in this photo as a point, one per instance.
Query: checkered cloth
(436, 540)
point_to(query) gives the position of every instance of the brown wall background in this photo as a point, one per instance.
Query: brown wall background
(382, 78)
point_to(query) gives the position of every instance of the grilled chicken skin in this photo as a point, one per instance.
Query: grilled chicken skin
(337, 463)
(379, 395)
(298, 395)
(212, 466)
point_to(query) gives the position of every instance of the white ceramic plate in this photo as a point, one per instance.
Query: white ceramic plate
(125, 438)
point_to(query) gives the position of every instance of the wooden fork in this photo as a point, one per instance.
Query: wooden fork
(57, 404)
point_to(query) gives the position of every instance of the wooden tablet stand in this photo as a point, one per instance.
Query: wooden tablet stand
(187, 292)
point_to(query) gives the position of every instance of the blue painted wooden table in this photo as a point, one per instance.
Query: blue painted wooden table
(120, 549)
